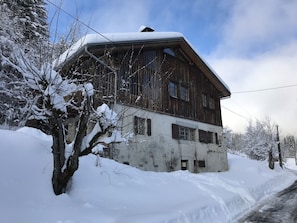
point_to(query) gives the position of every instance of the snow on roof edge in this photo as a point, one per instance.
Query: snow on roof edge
(113, 38)
(207, 64)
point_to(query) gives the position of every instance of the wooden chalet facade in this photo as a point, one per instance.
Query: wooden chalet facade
(167, 98)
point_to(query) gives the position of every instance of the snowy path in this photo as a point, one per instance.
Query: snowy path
(281, 208)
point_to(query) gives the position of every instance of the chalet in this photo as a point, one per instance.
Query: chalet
(166, 96)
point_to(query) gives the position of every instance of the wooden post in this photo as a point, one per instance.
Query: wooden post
(270, 159)
(280, 159)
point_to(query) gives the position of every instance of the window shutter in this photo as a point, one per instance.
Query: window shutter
(149, 127)
(217, 138)
(175, 131)
(209, 137)
(135, 125)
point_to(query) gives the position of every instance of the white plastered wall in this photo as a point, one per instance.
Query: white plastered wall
(160, 152)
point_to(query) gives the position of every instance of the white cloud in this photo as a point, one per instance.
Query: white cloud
(255, 45)
(258, 50)
(270, 70)
(257, 26)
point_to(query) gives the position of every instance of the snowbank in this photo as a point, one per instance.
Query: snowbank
(106, 191)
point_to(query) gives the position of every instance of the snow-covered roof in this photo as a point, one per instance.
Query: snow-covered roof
(113, 38)
(131, 37)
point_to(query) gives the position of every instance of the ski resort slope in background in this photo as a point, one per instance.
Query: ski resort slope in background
(105, 191)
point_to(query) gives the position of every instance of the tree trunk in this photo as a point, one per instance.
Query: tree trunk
(61, 175)
(270, 160)
(280, 159)
(58, 150)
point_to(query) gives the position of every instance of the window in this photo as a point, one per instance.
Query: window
(184, 164)
(169, 51)
(184, 133)
(180, 91)
(139, 125)
(184, 93)
(205, 137)
(204, 100)
(199, 163)
(173, 89)
(211, 103)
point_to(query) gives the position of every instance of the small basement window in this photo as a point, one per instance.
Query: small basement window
(201, 163)
(184, 164)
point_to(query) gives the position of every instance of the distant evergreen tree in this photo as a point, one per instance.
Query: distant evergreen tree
(30, 25)
(23, 38)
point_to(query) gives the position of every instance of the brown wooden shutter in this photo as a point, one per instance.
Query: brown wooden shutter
(175, 131)
(149, 127)
(217, 138)
(135, 125)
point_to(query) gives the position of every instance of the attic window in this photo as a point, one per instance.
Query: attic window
(169, 51)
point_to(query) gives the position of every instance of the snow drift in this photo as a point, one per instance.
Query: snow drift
(103, 190)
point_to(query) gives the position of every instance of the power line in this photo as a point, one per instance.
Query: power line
(78, 20)
(94, 30)
(264, 89)
(235, 113)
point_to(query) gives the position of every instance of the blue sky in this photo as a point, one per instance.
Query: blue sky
(251, 44)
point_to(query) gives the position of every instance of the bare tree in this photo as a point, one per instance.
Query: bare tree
(56, 97)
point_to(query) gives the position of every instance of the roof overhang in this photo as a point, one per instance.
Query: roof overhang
(151, 39)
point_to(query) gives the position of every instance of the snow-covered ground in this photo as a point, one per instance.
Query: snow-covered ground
(106, 191)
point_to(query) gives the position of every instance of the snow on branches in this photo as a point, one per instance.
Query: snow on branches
(61, 101)
(53, 92)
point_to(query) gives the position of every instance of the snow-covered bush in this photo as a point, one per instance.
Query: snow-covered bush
(256, 142)
(260, 138)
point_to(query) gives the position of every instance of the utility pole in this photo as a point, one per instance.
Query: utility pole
(280, 159)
